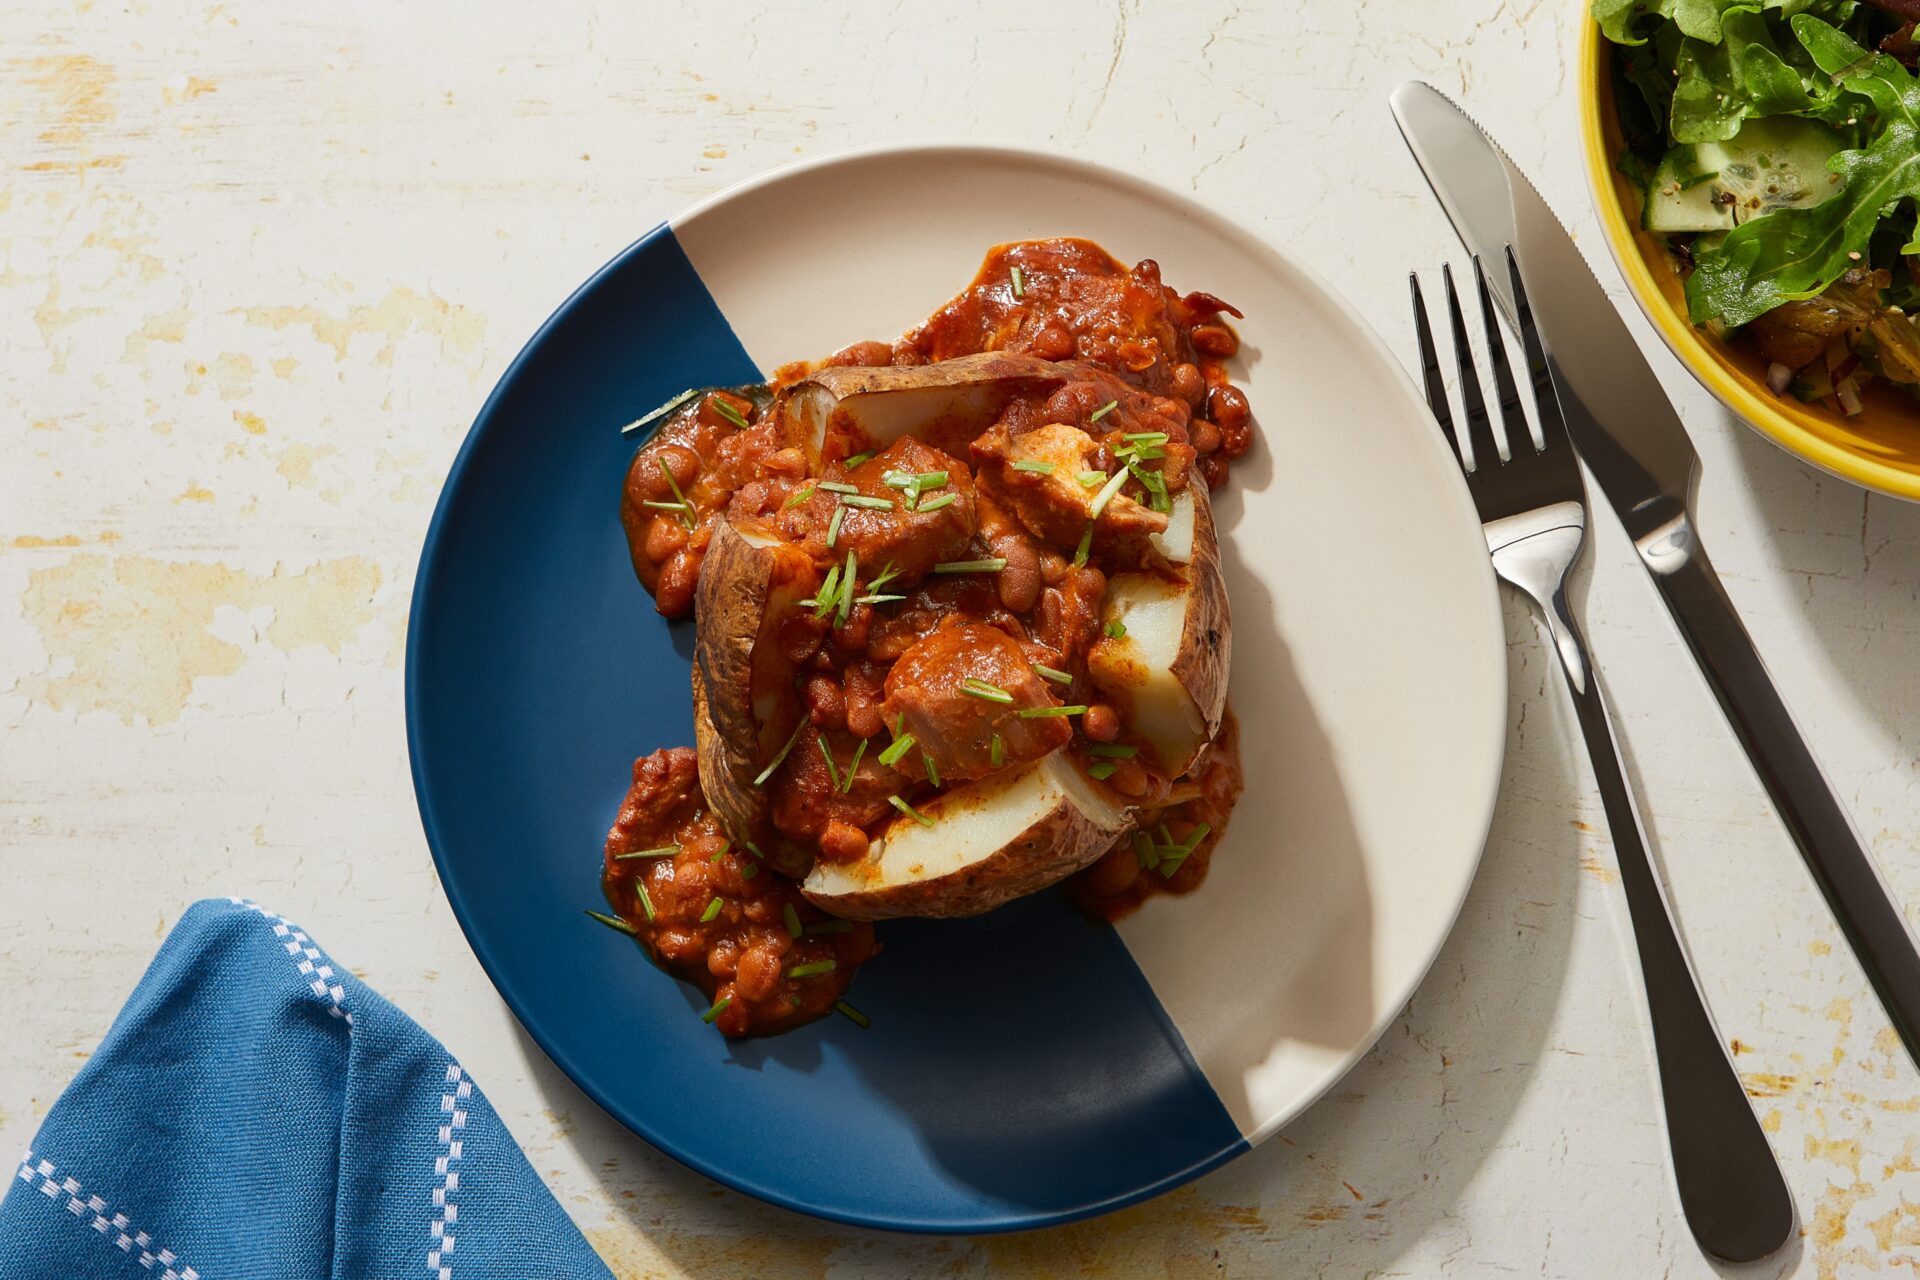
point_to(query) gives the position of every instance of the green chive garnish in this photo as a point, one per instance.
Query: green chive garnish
(664, 851)
(876, 599)
(865, 503)
(1038, 713)
(934, 504)
(792, 918)
(992, 565)
(846, 586)
(846, 779)
(887, 575)
(931, 480)
(985, 692)
(752, 869)
(1104, 410)
(1092, 478)
(775, 762)
(833, 525)
(857, 459)
(1019, 283)
(826, 753)
(898, 479)
(910, 811)
(1102, 771)
(998, 753)
(829, 926)
(633, 428)
(1146, 437)
(686, 517)
(1102, 498)
(724, 407)
(1053, 673)
(1029, 464)
(1112, 750)
(719, 1007)
(836, 486)
(664, 506)
(798, 498)
(892, 754)
(1116, 629)
(813, 969)
(1086, 545)
(614, 922)
(852, 1014)
(646, 899)
(711, 913)
(933, 771)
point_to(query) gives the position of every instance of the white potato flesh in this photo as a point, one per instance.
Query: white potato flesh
(992, 840)
(1137, 668)
(1176, 542)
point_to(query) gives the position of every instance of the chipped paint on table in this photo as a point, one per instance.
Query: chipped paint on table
(259, 267)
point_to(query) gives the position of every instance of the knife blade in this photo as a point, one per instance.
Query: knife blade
(1627, 432)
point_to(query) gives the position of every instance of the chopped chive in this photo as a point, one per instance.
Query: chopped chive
(1116, 629)
(1030, 464)
(711, 913)
(686, 517)
(828, 595)
(715, 857)
(775, 762)
(1112, 750)
(900, 724)
(752, 869)
(1102, 771)
(664, 506)
(870, 599)
(1195, 836)
(933, 770)
(1091, 478)
(792, 918)
(992, 565)
(1147, 437)
(887, 575)
(663, 851)
(985, 692)
(865, 503)
(833, 525)
(646, 899)
(852, 1014)
(1037, 713)
(836, 486)
(724, 407)
(1019, 283)
(897, 479)
(826, 753)
(1086, 545)
(797, 498)
(931, 480)
(998, 754)
(846, 779)
(1053, 673)
(1144, 850)
(1102, 498)
(819, 927)
(910, 811)
(1104, 410)
(615, 922)
(754, 849)
(633, 428)
(846, 586)
(934, 504)
(893, 753)
(813, 969)
(857, 459)
(719, 1007)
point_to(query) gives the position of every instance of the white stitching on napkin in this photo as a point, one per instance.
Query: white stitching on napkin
(307, 959)
(458, 1090)
(123, 1236)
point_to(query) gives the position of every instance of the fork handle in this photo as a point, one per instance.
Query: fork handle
(1855, 892)
(1735, 1200)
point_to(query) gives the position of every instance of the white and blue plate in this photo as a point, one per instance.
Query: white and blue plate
(1028, 1066)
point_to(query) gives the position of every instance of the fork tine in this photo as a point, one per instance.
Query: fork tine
(1486, 453)
(1513, 419)
(1436, 385)
(1546, 404)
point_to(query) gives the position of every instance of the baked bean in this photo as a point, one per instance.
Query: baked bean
(787, 462)
(764, 909)
(1215, 340)
(1129, 778)
(843, 842)
(1019, 581)
(1228, 406)
(865, 690)
(673, 596)
(1175, 410)
(1203, 435)
(1053, 566)
(1054, 342)
(1114, 873)
(679, 945)
(757, 973)
(1187, 382)
(1101, 723)
(852, 638)
(826, 703)
(704, 846)
(665, 535)
(1214, 469)
(1235, 441)
(723, 957)
(680, 460)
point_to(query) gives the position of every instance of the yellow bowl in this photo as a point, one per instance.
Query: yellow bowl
(1880, 448)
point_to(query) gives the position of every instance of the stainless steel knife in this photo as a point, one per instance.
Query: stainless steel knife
(1632, 440)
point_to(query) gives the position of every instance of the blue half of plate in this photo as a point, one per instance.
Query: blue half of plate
(1029, 1066)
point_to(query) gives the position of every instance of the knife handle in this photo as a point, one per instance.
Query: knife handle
(1859, 898)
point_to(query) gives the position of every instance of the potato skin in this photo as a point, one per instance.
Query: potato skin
(1206, 642)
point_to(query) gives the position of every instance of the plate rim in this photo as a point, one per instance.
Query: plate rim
(1149, 189)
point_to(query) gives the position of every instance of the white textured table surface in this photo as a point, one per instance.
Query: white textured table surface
(258, 271)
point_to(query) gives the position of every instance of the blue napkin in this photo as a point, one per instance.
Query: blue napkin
(256, 1110)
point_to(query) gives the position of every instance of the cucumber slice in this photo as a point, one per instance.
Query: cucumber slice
(1777, 163)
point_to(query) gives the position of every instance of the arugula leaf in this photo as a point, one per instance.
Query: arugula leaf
(1621, 21)
(1758, 68)
(1791, 254)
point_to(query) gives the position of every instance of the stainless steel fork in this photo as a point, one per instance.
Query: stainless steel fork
(1534, 507)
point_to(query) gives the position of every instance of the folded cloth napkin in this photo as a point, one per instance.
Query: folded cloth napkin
(255, 1110)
